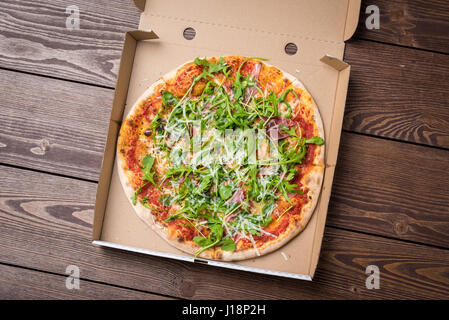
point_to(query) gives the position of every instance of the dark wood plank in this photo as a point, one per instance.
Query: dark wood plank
(23, 284)
(419, 23)
(398, 93)
(49, 135)
(393, 189)
(53, 125)
(34, 38)
(45, 225)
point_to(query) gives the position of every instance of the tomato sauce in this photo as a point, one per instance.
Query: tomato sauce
(278, 229)
(306, 127)
(185, 79)
(152, 193)
(185, 228)
(131, 160)
(150, 110)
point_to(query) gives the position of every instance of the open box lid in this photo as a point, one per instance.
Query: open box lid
(249, 28)
(297, 18)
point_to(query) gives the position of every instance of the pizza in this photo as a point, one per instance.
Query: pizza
(223, 157)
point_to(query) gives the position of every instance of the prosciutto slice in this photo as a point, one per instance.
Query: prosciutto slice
(250, 92)
(255, 72)
(238, 196)
(274, 128)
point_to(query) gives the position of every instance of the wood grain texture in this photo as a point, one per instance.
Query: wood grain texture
(23, 284)
(391, 188)
(420, 24)
(381, 187)
(34, 38)
(398, 93)
(49, 227)
(53, 125)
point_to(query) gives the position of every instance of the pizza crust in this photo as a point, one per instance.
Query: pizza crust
(312, 180)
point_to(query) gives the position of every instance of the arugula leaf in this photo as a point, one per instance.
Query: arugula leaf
(270, 108)
(176, 214)
(268, 208)
(291, 174)
(239, 85)
(155, 124)
(171, 218)
(225, 192)
(293, 156)
(134, 198)
(204, 184)
(254, 232)
(213, 219)
(284, 192)
(217, 230)
(210, 67)
(228, 245)
(292, 188)
(202, 241)
(165, 200)
(282, 99)
(315, 140)
(254, 188)
(177, 171)
(145, 202)
(169, 99)
(147, 163)
(290, 131)
(213, 244)
(267, 221)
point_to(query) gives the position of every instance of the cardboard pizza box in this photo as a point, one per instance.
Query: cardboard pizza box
(249, 28)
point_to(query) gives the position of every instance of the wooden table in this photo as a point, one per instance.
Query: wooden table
(390, 198)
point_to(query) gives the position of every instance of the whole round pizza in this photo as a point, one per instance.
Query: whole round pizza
(223, 157)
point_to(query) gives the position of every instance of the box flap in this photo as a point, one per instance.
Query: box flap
(335, 63)
(140, 4)
(291, 18)
(352, 18)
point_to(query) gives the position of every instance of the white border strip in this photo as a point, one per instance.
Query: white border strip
(203, 261)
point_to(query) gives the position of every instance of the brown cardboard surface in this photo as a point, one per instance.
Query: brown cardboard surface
(318, 28)
(321, 20)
